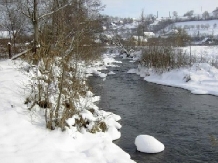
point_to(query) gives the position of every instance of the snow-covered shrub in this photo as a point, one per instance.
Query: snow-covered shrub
(59, 88)
(59, 91)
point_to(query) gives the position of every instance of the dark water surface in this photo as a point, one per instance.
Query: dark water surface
(186, 124)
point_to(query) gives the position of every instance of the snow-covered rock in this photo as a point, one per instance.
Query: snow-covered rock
(148, 144)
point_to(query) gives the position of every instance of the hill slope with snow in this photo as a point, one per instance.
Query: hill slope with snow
(195, 28)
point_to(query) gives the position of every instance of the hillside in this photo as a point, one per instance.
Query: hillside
(195, 28)
(198, 30)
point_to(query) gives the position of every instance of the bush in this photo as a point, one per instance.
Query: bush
(164, 58)
(58, 83)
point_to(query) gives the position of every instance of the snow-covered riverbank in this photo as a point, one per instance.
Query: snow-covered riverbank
(24, 140)
(200, 78)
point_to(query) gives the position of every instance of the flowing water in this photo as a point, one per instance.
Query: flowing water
(186, 124)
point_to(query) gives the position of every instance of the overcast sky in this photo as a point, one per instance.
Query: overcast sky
(133, 8)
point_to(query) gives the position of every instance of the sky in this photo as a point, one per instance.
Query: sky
(133, 8)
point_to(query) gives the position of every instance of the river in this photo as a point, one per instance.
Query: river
(185, 123)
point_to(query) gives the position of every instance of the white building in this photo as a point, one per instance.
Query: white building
(149, 35)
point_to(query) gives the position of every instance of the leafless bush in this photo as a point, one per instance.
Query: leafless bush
(57, 86)
(164, 58)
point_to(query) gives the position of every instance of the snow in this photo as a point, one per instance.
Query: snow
(111, 73)
(108, 61)
(149, 34)
(200, 78)
(140, 38)
(4, 34)
(193, 28)
(25, 139)
(148, 144)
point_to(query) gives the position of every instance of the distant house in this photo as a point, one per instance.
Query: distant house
(139, 40)
(215, 13)
(149, 35)
(172, 32)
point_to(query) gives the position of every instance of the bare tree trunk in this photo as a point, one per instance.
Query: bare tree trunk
(9, 50)
(59, 97)
(35, 26)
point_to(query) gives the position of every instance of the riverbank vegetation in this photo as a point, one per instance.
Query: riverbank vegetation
(164, 58)
(64, 38)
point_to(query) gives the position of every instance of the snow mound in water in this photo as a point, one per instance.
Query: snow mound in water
(148, 144)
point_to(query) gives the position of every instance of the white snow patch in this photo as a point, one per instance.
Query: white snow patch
(107, 61)
(111, 73)
(148, 144)
(132, 71)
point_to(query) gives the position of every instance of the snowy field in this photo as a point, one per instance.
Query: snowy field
(25, 140)
(193, 28)
(200, 78)
(205, 28)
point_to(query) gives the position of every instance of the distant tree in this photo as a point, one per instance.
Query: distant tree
(215, 25)
(189, 14)
(175, 14)
(207, 26)
(163, 24)
(143, 23)
(151, 18)
(125, 21)
(215, 14)
(12, 21)
(142, 26)
(180, 38)
(130, 20)
(205, 15)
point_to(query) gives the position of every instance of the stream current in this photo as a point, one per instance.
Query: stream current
(185, 123)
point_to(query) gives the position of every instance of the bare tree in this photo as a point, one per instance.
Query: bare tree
(37, 12)
(12, 21)
(205, 15)
(175, 14)
(189, 14)
(71, 34)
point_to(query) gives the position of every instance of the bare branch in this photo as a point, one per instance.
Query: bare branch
(52, 12)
